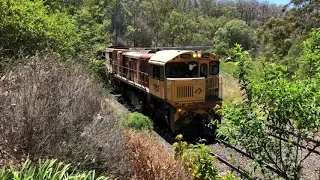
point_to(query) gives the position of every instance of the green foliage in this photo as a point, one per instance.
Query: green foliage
(310, 64)
(198, 160)
(228, 67)
(277, 36)
(273, 106)
(138, 121)
(30, 26)
(235, 31)
(244, 67)
(179, 147)
(100, 69)
(91, 27)
(48, 169)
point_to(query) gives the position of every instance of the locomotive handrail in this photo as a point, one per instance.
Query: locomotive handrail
(220, 86)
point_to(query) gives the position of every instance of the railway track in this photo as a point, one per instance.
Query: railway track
(306, 147)
(225, 152)
(238, 169)
(221, 149)
(244, 169)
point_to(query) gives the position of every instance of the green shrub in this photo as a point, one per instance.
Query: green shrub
(198, 160)
(48, 170)
(99, 68)
(139, 121)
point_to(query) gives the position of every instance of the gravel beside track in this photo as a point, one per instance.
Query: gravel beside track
(311, 165)
(234, 158)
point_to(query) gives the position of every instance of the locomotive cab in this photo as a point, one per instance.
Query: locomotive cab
(190, 85)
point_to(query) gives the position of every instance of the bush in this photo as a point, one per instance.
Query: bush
(198, 160)
(54, 109)
(100, 70)
(149, 160)
(48, 169)
(139, 121)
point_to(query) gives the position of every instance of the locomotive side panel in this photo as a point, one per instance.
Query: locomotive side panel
(156, 81)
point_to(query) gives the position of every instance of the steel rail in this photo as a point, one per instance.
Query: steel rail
(251, 157)
(297, 144)
(238, 169)
(294, 134)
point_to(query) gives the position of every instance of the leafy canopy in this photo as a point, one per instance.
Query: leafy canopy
(30, 26)
(235, 31)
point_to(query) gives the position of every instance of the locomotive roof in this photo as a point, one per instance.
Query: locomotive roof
(138, 55)
(161, 57)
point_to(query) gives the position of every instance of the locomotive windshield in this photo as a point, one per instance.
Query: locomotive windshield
(182, 69)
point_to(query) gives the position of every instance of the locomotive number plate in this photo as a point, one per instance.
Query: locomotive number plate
(156, 87)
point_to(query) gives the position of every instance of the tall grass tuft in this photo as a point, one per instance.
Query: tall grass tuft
(150, 160)
(48, 169)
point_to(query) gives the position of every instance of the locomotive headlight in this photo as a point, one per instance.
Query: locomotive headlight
(199, 55)
(179, 110)
(195, 55)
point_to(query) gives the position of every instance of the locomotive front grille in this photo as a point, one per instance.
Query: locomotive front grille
(184, 91)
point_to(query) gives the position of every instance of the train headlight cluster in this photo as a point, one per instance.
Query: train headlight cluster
(196, 55)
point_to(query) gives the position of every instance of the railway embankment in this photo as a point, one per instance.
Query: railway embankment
(52, 109)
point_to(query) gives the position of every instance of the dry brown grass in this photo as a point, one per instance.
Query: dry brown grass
(54, 109)
(230, 90)
(150, 161)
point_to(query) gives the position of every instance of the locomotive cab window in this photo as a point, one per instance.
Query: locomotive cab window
(157, 72)
(182, 69)
(203, 70)
(214, 68)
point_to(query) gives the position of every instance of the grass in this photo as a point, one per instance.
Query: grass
(139, 121)
(49, 170)
(228, 67)
(231, 92)
(231, 67)
(150, 160)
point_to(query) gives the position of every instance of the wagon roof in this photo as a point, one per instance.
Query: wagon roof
(161, 57)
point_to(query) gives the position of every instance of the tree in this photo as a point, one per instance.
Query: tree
(235, 31)
(30, 26)
(174, 27)
(307, 13)
(118, 19)
(310, 65)
(92, 25)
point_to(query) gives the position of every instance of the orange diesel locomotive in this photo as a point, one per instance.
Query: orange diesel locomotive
(179, 87)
